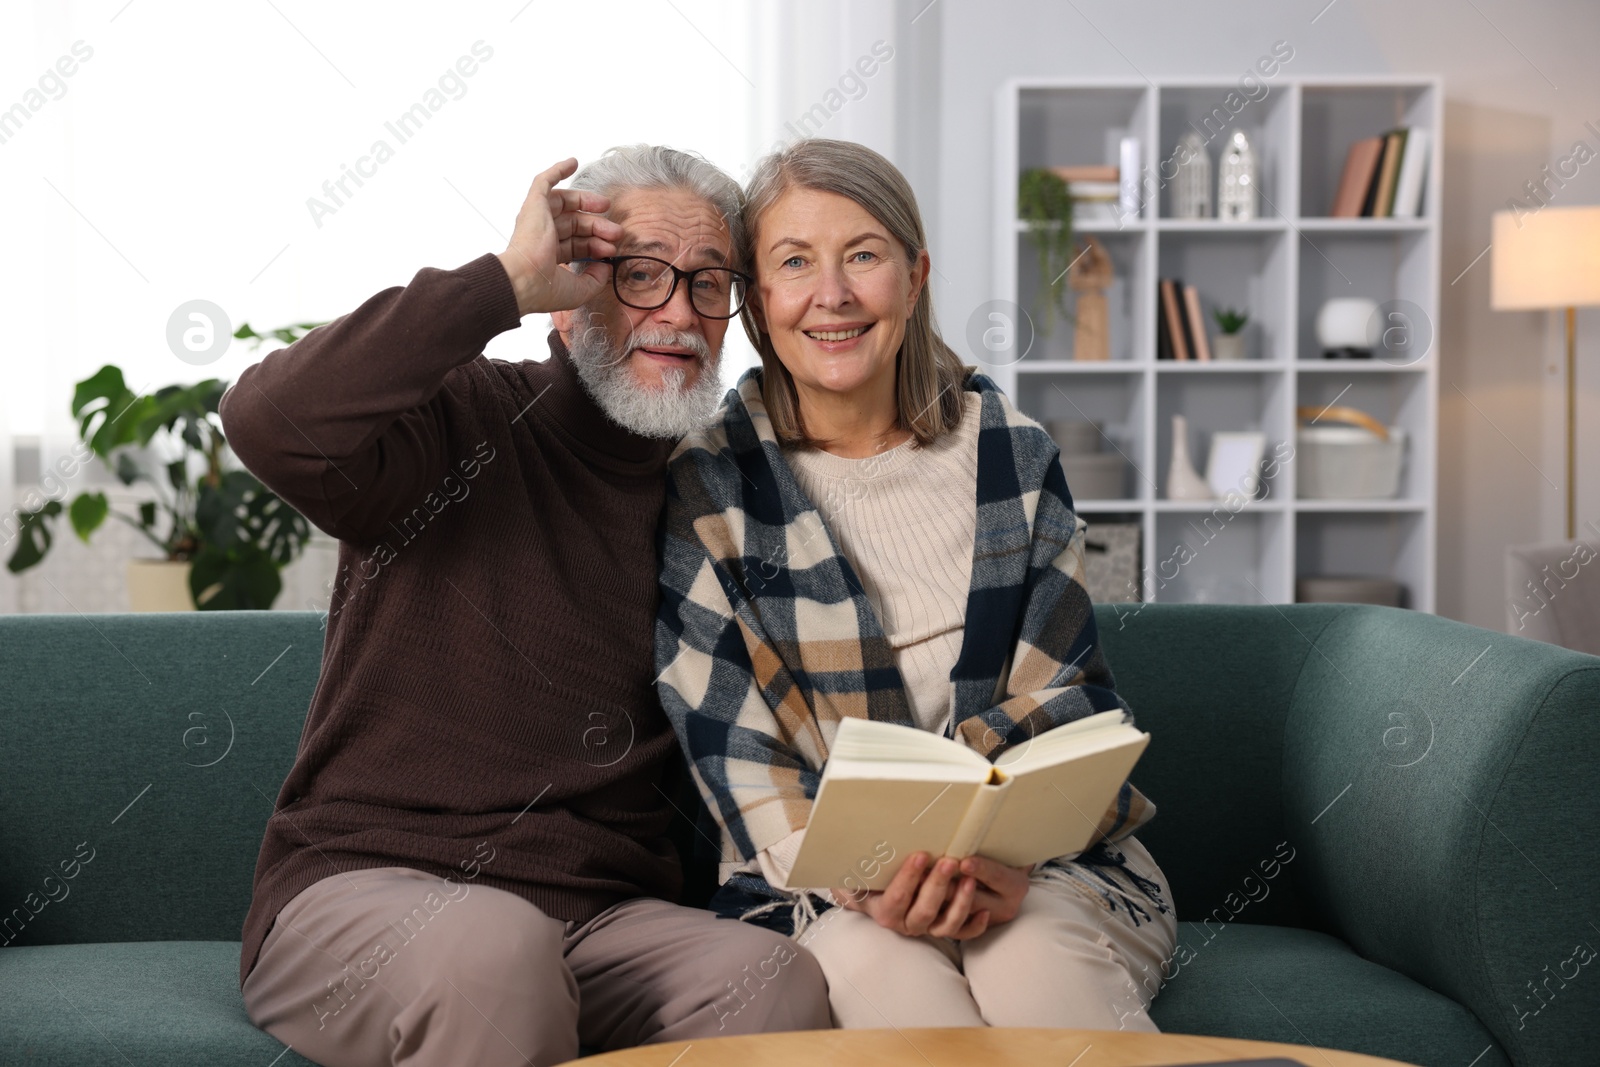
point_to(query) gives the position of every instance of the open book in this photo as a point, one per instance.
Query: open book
(889, 791)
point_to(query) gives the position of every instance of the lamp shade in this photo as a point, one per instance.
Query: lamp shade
(1548, 258)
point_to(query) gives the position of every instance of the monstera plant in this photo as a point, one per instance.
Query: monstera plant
(235, 533)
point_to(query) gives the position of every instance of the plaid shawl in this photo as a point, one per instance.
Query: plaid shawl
(765, 639)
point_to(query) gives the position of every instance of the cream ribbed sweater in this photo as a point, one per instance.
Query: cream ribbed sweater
(906, 519)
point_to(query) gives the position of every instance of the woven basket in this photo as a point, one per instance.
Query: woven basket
(1356, 459)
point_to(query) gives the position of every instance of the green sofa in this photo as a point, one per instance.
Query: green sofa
(1379, 827)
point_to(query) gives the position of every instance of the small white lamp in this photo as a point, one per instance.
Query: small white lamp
(1550, 258)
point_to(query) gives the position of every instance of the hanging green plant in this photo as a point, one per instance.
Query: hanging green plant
(1045, 204)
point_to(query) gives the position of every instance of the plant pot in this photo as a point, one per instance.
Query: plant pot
(1228, 346)
(158, 585)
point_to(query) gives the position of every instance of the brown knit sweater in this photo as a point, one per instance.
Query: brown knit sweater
(485, 709)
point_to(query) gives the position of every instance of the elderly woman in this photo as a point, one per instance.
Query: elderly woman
(870, 528)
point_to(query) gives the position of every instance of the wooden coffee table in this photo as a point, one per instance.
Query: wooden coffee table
(963, 1047)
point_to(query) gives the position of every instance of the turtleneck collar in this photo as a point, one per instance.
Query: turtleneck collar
(567, 405)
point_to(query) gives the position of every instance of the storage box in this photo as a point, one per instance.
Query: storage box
(1111, 562)
(1075, 437)
(1101, 476)
(1329, 590)
(1347, 463)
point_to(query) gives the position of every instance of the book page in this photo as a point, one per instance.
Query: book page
(863, 830)
(1053, 809)
(1068, 741)
(862, 740)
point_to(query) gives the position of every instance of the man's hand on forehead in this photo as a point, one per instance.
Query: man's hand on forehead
(557, 227)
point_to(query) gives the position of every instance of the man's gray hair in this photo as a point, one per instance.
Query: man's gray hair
(645, 166)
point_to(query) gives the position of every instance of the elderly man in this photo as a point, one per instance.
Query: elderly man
(468, 861)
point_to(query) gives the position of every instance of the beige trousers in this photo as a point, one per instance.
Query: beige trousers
(1065, 960)
(394, 966)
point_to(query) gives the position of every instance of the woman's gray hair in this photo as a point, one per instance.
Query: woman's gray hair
(647, 166)
(930, 375)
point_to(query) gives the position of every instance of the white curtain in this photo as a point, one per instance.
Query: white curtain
(858, 70)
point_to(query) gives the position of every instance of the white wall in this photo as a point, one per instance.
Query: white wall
(1520, 82)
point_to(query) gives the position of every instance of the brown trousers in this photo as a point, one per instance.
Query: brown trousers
(384, 966)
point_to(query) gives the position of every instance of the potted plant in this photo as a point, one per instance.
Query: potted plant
(223, 535)
(1230, 344)
(1044, 203)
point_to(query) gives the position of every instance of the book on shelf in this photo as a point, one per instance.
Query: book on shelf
(1164, 349)
(1105, 211)
(1094, 190)
(1413, 172)
(1383, 176)
(1369, 195)
(1186, 327)
(1198, 341)
(1394, 148)
(890, 790)
(1360, 164)
(1173, 318)
(1093, 172)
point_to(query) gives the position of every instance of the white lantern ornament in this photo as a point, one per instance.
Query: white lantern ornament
(1237, 176)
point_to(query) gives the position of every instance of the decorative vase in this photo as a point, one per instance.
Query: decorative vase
(1191, 189)
(1228, 346)
(1347, 327)
(1183, 481)
(158, 585)
(1237, 176)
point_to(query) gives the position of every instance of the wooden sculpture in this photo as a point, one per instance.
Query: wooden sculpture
(1090, 276)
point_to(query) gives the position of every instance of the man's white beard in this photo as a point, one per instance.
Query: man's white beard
(670, 411)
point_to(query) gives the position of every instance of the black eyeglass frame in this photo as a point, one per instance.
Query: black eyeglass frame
(678, 275)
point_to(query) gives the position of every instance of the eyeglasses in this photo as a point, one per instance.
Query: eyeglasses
(646, 283)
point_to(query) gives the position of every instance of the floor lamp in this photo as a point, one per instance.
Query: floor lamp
(1550, 258)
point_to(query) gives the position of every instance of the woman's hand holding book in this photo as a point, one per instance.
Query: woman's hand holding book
(958, 899)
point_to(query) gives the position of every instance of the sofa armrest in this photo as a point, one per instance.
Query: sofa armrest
(1441, 787)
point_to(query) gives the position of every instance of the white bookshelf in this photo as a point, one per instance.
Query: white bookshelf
(1280, 267)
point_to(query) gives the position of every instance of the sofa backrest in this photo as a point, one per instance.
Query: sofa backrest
(143, 755)
(1213, 685)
